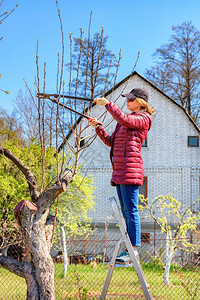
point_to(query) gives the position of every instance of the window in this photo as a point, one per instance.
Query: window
(143, 191)
(144, 144)
(82, 142)
(145, 238)
(193, 141)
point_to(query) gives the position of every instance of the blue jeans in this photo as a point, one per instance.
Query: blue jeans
(128, 198)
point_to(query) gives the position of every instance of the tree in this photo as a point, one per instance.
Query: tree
(74, 204)
(95, 60)
(11, 135)
(35, 222)
(13, 186)
(10, 127)
(36, 228)
(165, 210)
(28, 114)
(93, 65)
(177, 68)
(9, 182)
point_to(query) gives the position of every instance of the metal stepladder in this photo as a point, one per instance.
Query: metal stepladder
(136, 264)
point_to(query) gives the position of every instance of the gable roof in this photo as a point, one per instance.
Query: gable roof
(119, 84)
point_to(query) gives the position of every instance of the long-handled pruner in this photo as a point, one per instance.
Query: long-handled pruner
(42, 95)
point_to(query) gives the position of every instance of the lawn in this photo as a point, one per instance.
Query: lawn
(86, 282)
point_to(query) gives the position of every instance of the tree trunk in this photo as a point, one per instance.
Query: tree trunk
(40, 276)
(169, 256)
(37, 228)
(167, 268)
(42, 263)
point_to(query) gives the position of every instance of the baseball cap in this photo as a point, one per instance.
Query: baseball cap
(137, 93)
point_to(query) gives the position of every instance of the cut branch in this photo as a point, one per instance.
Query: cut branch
(48, 197)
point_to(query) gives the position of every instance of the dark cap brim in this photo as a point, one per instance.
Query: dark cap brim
(128, 96)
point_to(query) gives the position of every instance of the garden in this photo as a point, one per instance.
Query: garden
(85, 281)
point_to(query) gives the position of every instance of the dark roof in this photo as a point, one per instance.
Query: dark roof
(151, 84)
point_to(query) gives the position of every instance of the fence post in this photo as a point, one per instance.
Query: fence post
(64, 251)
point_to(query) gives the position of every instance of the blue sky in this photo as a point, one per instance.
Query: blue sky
(131, 25)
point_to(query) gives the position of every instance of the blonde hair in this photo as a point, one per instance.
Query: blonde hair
(145, 106)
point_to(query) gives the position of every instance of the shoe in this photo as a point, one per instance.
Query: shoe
(124, 257)
(137, 255)
(123, 253)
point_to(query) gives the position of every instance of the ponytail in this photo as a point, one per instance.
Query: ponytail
(145, 106)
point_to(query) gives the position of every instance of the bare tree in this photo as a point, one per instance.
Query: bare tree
(10, 128)
(36, 224)
(93, 63)
(28, 114)
(177, 68)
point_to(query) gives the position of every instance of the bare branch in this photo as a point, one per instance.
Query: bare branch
(12, 265)
(8, 14)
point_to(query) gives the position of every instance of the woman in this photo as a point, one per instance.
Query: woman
(126, 142)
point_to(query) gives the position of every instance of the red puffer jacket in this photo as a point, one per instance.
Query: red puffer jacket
(126, 142)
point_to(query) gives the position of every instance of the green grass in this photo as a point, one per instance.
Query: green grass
(84, 279)
(124, 283)
(11, 286)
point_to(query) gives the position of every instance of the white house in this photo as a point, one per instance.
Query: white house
(171, 154)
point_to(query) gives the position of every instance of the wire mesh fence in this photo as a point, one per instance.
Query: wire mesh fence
(87, 265)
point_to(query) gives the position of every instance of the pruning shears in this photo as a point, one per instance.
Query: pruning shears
(55, 96)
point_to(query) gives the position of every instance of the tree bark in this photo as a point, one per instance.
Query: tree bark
(169, 256)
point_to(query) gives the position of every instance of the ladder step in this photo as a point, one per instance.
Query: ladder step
(123, 265)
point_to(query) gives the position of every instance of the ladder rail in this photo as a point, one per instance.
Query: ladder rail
(110, 271)
(136, 263)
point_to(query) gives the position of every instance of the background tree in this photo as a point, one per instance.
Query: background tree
(27, 111)
(11, 135)
(177, 69)
(74, 206)
(176, 222)
(92, 65)
(10, 127)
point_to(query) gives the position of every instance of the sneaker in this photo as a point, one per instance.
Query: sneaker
(123, 253)
(137, 255)
(124, 257)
